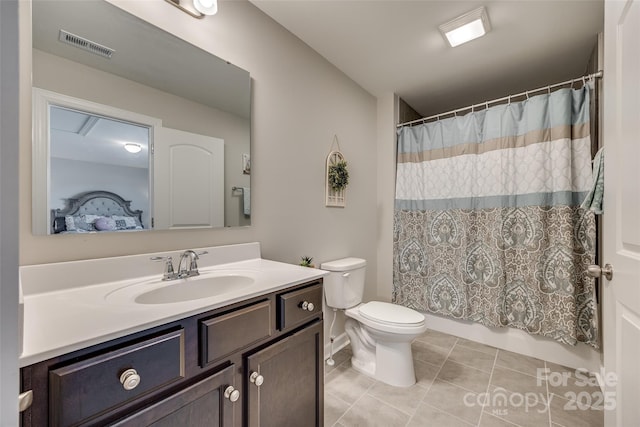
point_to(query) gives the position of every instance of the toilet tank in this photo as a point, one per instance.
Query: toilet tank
(344, 286)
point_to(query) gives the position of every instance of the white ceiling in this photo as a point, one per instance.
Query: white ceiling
(395, 45)
(81, 136)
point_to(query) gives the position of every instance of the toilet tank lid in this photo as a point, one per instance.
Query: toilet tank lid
(344, 264)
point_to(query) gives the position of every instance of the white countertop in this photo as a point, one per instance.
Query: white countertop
(60, 321)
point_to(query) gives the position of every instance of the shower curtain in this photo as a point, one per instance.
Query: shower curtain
(487, 224)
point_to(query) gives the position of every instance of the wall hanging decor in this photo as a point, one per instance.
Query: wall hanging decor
(337, 177)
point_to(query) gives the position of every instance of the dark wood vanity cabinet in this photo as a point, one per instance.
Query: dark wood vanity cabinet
(203, 404)
(282, 381)
(239, 365)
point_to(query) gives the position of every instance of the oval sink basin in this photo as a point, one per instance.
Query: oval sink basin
(207, 285)
(193, 288)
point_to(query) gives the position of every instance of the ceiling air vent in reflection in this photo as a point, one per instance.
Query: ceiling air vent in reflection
(85, 44)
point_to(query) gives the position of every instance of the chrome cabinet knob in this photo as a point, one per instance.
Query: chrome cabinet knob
(130, 379)
(231, 393)
(256, 378)
(597, 271)
(307, 306)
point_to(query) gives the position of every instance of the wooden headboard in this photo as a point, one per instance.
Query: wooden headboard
(102, 203)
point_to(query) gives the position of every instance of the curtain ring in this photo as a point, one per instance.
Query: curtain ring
(509, 100)
(584, 81)
(527, 94)
(472, 108)
(486, 105)
(549, 90)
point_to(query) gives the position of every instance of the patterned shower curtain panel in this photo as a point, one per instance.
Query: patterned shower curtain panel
(487, 224)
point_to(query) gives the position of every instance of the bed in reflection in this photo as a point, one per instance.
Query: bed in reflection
(96, 211)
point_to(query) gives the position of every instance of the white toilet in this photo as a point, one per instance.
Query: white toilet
(380, 332)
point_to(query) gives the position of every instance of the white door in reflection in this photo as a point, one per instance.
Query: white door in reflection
(188, 180)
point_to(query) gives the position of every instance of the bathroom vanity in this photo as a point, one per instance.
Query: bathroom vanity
(246, 357)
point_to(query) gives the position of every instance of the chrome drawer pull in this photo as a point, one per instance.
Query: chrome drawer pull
(256, 378)
(130, 379)
(307, 306)
(231, 393)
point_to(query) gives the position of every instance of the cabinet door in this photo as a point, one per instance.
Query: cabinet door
(291, 381)
(202, 404)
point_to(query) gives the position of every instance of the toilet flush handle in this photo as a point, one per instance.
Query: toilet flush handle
(346, 275)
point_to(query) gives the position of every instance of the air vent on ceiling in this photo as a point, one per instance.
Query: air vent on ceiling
(85, 44)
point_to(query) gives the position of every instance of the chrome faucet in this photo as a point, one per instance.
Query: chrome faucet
(191, 258)
(189, 269)
(169, 273)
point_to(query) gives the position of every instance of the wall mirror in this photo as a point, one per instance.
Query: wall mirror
(133, 128)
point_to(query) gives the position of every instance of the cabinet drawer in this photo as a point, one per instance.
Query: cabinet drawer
(202, 404)
(80, 391)
(292, 309)
(223, 335)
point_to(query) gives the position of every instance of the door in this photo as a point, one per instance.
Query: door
(207, 403)
(188, 171)
(284, 381)
(621, 227)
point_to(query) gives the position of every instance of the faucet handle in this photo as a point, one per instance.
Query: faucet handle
(169, 273)
(202, 253)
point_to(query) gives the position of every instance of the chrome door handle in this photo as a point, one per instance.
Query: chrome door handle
(231, 393)
(256, 378)
(596, 271)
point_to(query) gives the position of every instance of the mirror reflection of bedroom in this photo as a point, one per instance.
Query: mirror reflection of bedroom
(91, 151)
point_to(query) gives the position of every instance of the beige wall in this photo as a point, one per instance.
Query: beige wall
(299, 102)
(387, 113)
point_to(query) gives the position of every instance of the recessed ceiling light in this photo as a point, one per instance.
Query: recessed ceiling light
(467, 27)
(132, 148)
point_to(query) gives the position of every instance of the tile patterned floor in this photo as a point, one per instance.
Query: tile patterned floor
(461, 383)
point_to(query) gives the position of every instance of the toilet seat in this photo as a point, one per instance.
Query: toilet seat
(390, 314)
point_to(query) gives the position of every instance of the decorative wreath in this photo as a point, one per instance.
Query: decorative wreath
(338, 176)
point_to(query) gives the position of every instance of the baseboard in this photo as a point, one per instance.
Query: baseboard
(339, 343)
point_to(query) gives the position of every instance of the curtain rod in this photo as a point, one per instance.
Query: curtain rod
(505, 98)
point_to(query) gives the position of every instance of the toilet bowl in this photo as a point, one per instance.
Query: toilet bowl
(380, 332)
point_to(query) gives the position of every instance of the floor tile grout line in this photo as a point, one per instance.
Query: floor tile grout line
(472, 367)
(486, 392)
(390, 405)
(447, 413)
(515, 370)
(337, 397)
(435, 376)
(488, 386)
(455, 385)
(546, 383)
(355, 401)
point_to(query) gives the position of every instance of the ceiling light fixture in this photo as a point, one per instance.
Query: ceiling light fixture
(132, 148)
(467, 27)
(196, 8)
